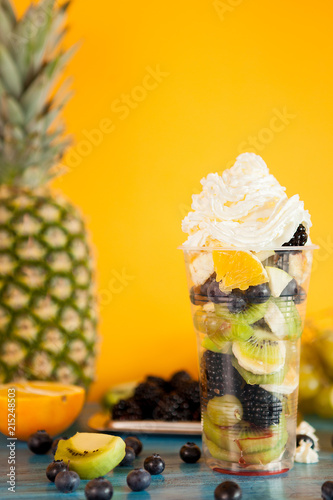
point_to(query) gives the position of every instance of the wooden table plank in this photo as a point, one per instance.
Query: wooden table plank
(179, 481)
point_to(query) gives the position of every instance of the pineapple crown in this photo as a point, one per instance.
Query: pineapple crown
(31, 60)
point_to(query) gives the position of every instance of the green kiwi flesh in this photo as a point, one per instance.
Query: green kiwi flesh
(252, 313)
(225, 410)
(262, 354)
(254, 379)
(91, 455)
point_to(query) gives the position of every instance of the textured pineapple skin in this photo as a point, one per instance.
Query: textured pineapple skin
(48, 318)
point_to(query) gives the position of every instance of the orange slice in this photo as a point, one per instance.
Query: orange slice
(48, 406)
(238, 269)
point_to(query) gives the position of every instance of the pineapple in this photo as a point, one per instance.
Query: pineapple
(47, 302)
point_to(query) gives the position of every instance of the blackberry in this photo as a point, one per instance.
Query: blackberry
(127, 409)
(179, 378)
(159, 381)
(299, 239)
(173, 407)
(219, 375)
(190, 391)
(260, 407)
(147, 395)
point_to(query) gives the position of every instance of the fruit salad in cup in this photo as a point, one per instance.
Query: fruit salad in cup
(248, 259)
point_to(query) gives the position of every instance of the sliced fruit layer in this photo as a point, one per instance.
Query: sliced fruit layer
(58, 406)
(91, 454)
(261, 354)
(244, 436)
(238, 270)
(260, 458)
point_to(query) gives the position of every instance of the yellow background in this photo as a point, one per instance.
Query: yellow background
(229, 67)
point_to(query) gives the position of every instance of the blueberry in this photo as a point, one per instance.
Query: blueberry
(236, 302)
(55, 444)
(327, 490)
(40, 442)
(154, 464)
(214, 293)
(134, 443)
(258, 294)
(98, 489)
(138, 479)
(190, 453)
(54, 468)
(67, 481)
(290, 290)
(228, 491)
(129, 457)
(304, 437)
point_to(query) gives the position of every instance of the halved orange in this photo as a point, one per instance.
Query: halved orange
(48, 406)
(238, 269)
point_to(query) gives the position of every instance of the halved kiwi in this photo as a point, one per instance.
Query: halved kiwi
(91, 454)
(262, 354)
(253, 313)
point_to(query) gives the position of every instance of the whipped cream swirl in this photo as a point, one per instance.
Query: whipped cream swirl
(244, 208)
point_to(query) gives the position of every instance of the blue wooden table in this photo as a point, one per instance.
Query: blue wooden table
(179, 481)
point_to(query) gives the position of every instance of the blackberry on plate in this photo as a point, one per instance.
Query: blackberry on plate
(127, 409)
(147, 395)
(159, 381)
(221, 377)
(172, 408)
(190, 391)
(299, 239)
(179, 378)
(260, 407)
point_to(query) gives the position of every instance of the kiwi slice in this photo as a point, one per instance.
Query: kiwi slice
(91, 454)
(262, 354)
(209, 345)
(118, 392)
(283, 319)
(253, 313)
(225, 410)
(254, 379)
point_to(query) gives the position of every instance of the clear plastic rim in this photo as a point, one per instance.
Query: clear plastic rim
(239, 249)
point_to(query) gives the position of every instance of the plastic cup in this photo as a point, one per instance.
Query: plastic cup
(249, 351)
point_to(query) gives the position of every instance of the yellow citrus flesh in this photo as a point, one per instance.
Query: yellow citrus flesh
(48, 406)
(238, 269)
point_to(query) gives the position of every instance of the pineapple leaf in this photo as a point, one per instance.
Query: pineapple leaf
(14, 111)
(5, 26)
(8, 8)
(9, 73)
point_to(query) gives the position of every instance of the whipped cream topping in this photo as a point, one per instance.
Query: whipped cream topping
(308, 430)
(243, 208)
(305, 454)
